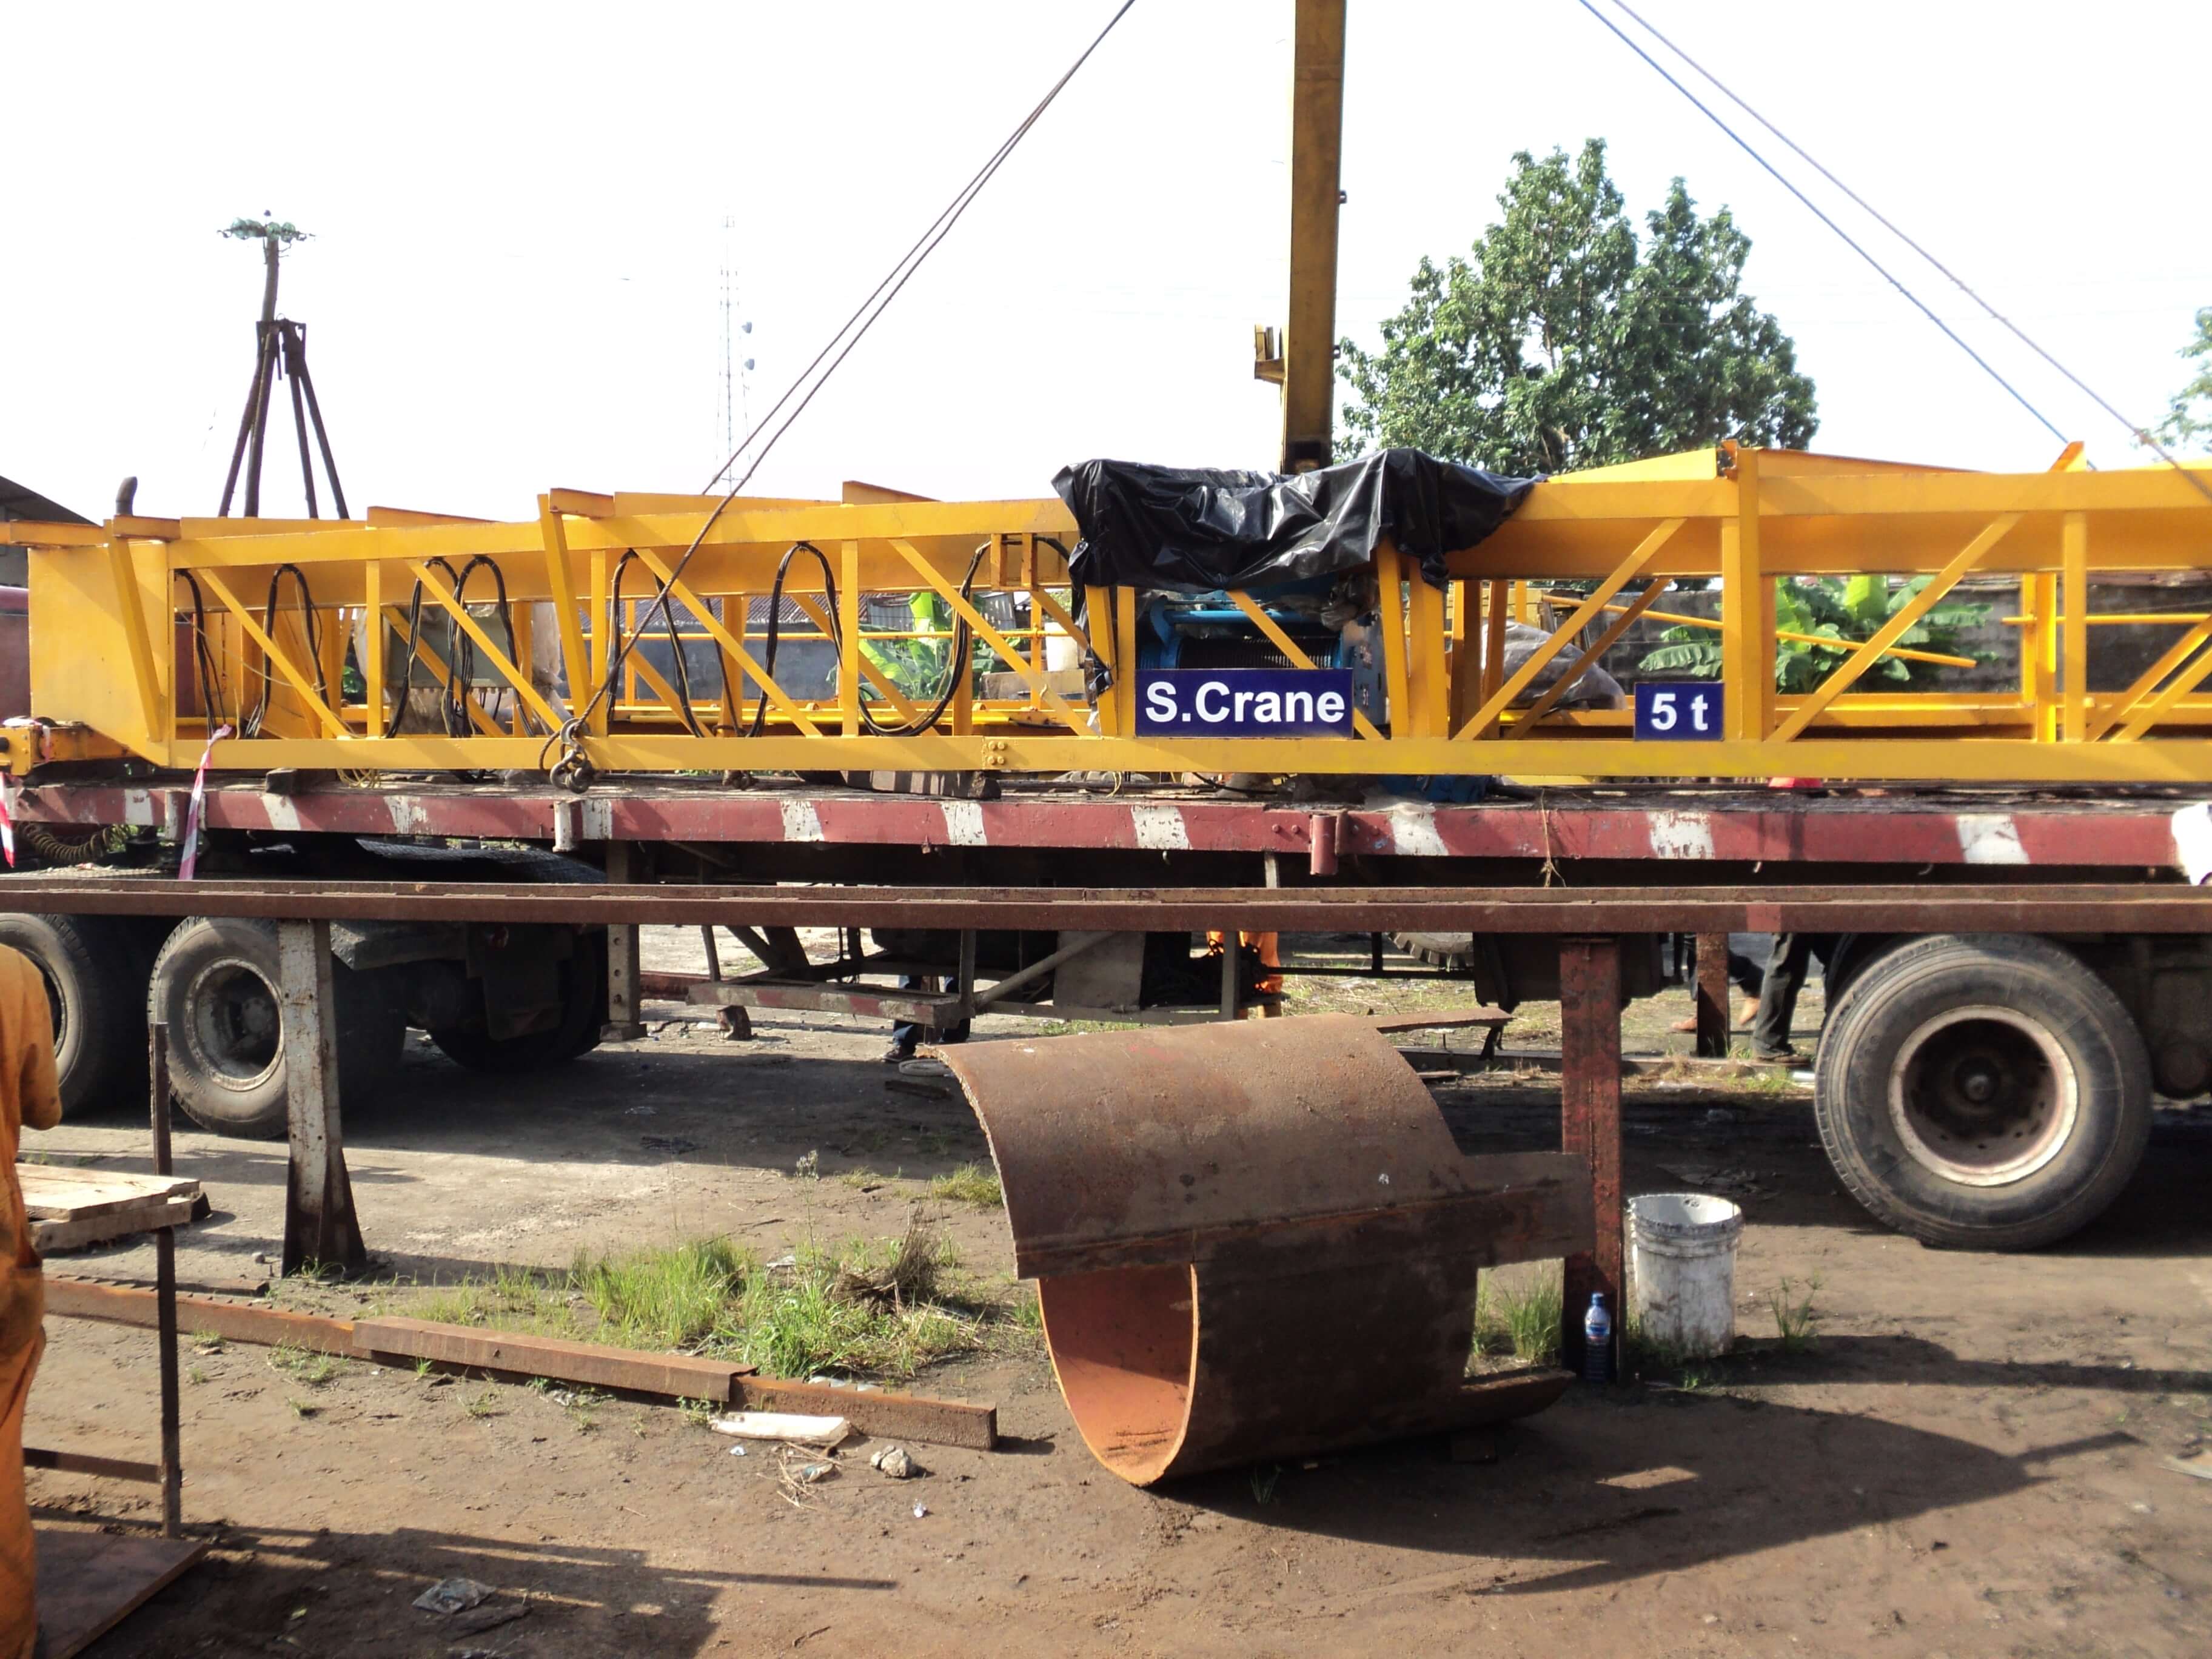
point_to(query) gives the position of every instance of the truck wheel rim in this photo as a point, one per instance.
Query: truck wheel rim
(1982, 1096)
(233, 1024)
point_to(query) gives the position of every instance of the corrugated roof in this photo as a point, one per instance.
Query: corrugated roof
(19, 501)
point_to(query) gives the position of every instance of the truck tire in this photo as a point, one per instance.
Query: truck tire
(583, 1017)
(1982, 1091)
(214, 983)
(96, 990)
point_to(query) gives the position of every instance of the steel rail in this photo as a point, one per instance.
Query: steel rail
(1922, 907)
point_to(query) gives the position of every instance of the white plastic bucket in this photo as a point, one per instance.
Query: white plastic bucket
(1683, 1283)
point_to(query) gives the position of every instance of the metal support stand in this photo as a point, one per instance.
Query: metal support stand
(170, 1470)
(280, 350)
(1712, 994)
(963, 985)
(1589, 1124)
(623, 1023)
(320, 1223)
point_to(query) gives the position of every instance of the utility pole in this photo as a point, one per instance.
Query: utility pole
(280, 349)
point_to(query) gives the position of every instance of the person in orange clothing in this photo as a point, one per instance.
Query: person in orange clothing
(28, 1097)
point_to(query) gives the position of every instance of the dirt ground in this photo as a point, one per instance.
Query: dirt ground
(1971, 1462)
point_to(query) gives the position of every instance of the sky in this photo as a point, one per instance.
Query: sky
(520, 217)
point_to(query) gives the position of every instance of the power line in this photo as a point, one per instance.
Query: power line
(1813, 207)
(863, 318)
(2140, 434)
(572, 767)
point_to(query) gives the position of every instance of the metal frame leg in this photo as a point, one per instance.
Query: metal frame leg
(165, 1293)
(1712, 994)
(622, 1024)
(1589, 1124)
(320, 1223)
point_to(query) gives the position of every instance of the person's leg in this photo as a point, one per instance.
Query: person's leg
(905, 1034)
(19, 1615)
(1777, 996)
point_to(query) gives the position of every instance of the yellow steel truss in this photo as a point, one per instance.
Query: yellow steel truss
(122, 614)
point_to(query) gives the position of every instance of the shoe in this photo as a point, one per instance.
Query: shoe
(1778, 1057)
(897, 1054)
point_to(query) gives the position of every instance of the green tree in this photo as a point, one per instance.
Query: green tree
(1846, 609)
(2189, 418)
(1560, 342)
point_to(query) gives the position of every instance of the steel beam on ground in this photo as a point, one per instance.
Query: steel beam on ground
(1589, 1125)
(170, 1470)
(320, 1223)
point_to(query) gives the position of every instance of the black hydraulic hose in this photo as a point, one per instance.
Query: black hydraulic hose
(956, 672)
(775, 620)
(251, 725)
(680, 674)
(211, 702)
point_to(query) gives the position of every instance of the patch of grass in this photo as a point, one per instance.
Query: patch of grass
(195, 1376)
(299, 1407)
(1797, 1320)
(1519, 1316)
(305, 1365)
(861, 1180)
(698, 1413)
(208, 1341)
(668, 1298)
(1264, 1482)
(883, 1307)
(582, 1405)
(485, 1404)
(423, 1367)
(972, 1183)
(808, 1168)
(512, 1299)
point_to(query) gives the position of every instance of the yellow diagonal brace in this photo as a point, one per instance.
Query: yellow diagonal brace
(1060, 613)
(2141, 716)
(132, 615)
(469, 625)
(1289, 647)
(815, 613)
(2147, 682)
(991, 636)
(560, 578)
(485, 724)
(300, 682)
(731, 646)
(1890, 631)
(1598, 648)
(1623, 574)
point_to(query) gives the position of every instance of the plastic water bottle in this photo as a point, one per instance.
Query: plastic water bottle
(1597, 1341)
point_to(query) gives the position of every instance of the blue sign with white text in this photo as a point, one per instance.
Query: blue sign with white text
(1244, 702)
(1678, 711)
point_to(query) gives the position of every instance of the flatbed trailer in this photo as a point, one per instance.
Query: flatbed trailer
(484, 904)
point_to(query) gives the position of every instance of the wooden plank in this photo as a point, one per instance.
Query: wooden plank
(679, 1376)
(54, 1192)
(1590, 1126)
(91, 1581)
(114, 1221)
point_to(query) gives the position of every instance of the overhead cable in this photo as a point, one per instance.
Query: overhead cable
(2140, 434)
(571, 769)
(1813, 207)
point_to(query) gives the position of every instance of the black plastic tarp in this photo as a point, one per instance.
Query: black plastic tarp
(1197, 529)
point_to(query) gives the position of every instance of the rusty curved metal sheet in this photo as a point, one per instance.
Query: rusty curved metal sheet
(1256, 1240)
